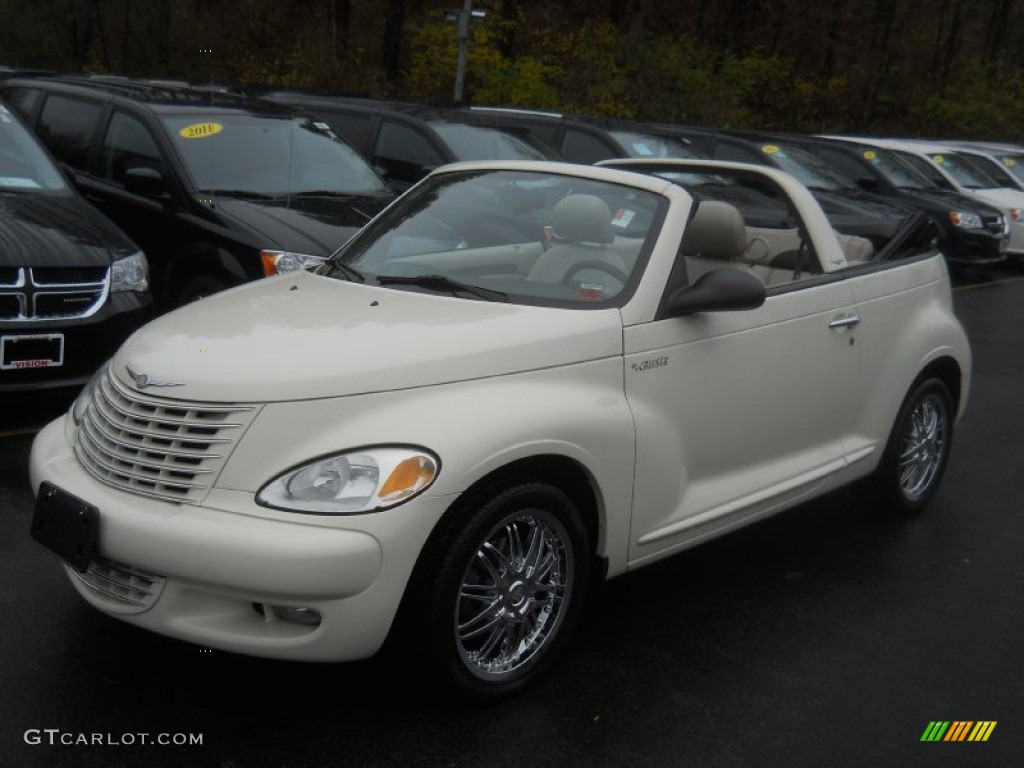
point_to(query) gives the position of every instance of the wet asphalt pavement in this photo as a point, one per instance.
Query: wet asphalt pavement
(822, 637)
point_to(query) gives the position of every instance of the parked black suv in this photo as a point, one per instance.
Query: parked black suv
(72, 285)
(406, 141)
(217, 189)
(591, 139)
(850, 209)
(970, 232)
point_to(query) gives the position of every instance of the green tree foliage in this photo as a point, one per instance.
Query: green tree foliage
(925, 67)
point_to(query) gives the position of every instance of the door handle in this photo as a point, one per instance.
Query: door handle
(844, 321)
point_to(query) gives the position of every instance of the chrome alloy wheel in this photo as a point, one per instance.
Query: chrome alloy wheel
(513, 593)
(922, 446)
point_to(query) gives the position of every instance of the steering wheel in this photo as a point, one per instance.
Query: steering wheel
(600, 266)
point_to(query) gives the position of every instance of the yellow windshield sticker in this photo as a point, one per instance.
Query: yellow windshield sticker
(937, 159)
(769, 149)
(870, 154)
(200, 130)
(1009, 162)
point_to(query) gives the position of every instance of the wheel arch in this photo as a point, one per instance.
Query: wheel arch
(949, 372)
(564, 473)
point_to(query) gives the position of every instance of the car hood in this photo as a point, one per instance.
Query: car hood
(1001, 197)
(313, 225)
(304, 336)
(948, 200)
(43, 230)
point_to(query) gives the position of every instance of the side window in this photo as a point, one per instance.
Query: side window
(404, 153)
(128, 144)
(66, 126)
(22, 100)
(584, 147)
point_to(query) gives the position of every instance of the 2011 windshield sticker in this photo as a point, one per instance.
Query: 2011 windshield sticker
(200, 130)
(649, 365)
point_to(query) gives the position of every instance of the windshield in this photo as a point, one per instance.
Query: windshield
(807, 169)
(989, 166)
(926, 169)
(24, 165)
(477, 142)
(1014, 164)
(896, 172)
(649, 145)
(962, 171)
(268, 155)
(526, 237)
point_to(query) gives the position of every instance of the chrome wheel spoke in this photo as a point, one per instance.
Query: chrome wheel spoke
(512, 595)
(922, 448)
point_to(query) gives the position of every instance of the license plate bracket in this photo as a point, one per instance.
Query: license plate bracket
(38, 350)
(66, 525)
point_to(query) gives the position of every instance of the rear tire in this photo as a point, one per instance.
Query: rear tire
(917, 450)
(506, 586)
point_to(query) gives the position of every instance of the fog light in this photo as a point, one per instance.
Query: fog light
(298, 615)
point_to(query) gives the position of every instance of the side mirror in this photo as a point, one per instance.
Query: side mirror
(719, 290)
(144, 181)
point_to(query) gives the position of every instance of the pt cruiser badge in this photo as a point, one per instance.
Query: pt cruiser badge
(142, 380)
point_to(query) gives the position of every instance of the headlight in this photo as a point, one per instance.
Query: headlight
(353, 482)
(130, 273)
(279, 262)
(85, 396)
(966, 220)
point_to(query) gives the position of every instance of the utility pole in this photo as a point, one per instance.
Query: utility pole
(460, 68)
(463, 17)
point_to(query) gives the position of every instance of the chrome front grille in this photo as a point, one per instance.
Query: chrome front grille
(123, 585)
(168, 449)
(45, 293)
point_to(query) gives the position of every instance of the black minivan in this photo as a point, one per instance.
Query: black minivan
(217, 189)
(72, 285)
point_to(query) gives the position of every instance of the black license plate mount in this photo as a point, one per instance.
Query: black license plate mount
(66, 525)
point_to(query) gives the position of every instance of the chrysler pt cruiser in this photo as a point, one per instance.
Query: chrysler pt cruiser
(518, 380)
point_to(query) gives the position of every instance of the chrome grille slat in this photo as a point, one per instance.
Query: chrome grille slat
(124, 584)
(39, 293)
(167, 436)
(112, 469)
(146, 445)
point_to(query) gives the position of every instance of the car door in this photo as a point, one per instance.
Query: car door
(128, 143)
(738, 413)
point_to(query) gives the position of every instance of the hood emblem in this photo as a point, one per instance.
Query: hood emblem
(142, 380)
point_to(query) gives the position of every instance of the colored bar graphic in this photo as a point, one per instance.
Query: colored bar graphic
(982, 730)
(935, 731)
(958, 730)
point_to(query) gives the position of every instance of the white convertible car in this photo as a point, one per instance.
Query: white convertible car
(517, 380)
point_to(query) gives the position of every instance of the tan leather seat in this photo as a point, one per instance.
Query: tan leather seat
(582, 231)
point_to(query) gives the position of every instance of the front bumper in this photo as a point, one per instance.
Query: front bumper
(216, 575)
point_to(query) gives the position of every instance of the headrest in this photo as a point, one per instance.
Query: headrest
(582, 219)
(716, 231)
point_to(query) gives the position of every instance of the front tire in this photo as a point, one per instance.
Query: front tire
(507, 587)
(915, 456)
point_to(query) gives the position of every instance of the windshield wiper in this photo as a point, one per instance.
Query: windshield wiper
(241, 194)
(332, 268)
(442, 283)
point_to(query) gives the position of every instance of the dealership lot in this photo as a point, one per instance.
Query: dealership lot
(824, 636)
